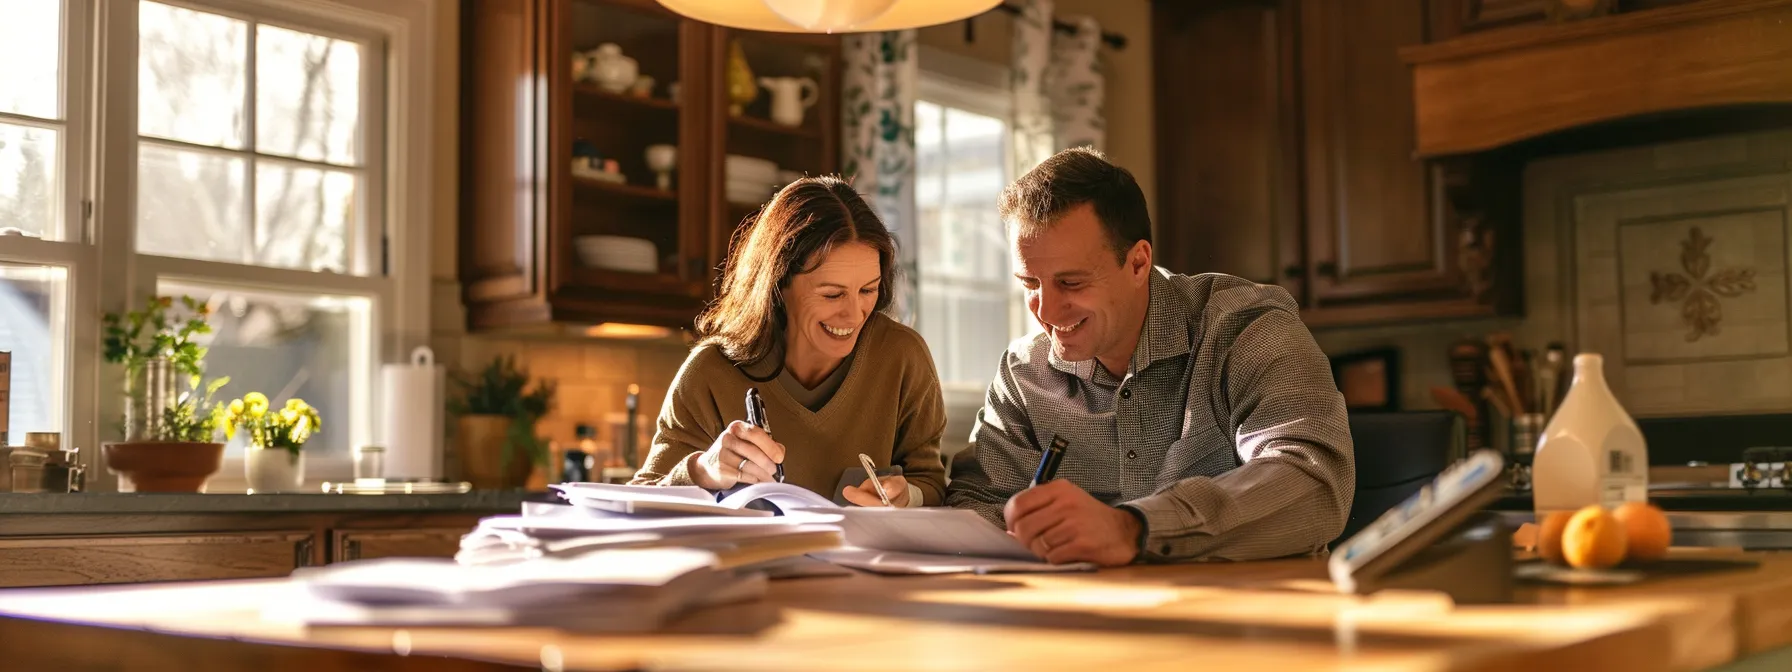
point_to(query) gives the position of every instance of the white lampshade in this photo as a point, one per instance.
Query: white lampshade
(828, 16)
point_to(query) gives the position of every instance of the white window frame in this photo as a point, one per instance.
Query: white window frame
(980, 87)
(398, 165)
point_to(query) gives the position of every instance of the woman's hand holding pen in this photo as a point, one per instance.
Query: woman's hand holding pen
(742, 454)
(865, 494)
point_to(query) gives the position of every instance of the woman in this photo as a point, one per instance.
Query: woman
(801, 318)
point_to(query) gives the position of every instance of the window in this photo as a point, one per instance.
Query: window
(41, 163)
(254, 195)
(970, 306)
(244, 152)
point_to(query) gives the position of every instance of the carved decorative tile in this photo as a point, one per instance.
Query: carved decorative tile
(1699, 286)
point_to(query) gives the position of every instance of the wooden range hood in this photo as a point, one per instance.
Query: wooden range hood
(1483, 91)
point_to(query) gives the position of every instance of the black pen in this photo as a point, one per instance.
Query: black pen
(756, 418)
(1049, 459)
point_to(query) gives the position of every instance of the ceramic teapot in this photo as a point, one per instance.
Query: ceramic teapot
(611, 70)
(791, 97)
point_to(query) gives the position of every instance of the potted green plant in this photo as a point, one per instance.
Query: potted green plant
(169, 435)
(496, 412)
(274, 460)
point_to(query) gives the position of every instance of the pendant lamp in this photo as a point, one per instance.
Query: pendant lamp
(828, 16)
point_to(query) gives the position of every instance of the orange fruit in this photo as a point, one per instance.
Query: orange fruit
(1549, 536)
(1646, 531)
(1593, 539)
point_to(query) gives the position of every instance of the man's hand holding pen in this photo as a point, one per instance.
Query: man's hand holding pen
(1062, 523)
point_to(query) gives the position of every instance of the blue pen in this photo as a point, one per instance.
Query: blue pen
(1049, 459)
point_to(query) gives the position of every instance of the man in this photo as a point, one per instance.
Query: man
(1202, 419)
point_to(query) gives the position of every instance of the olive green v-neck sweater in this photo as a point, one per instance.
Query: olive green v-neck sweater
(888, 407)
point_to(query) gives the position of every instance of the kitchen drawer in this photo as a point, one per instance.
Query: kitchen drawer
(368, 544)
(79, 560)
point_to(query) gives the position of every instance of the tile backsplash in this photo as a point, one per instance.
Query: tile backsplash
(592, 376)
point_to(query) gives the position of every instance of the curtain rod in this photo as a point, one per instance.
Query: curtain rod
(1114, 40)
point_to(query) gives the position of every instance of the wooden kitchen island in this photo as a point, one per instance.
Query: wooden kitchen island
(1277, 615)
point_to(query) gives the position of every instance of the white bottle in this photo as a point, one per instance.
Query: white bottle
(1592, 451)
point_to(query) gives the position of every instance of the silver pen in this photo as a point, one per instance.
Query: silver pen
(871, 471)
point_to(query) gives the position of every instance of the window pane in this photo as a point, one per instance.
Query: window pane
(31, 49)
(30, 191)
(190, 204)
(291, 345)
(33, 327)
(307, 95)
(967, 294)
(191, 75)
(303, 216)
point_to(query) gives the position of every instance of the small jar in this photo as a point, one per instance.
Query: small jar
(27, 470)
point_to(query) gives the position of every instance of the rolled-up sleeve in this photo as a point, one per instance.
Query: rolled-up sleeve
(1292, 491)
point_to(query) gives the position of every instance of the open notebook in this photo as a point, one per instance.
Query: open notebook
(927, 530)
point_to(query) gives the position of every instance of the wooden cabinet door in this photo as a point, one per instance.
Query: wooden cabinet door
(420, 543)
(503, 151)
(1228, 139)
(70, 561)
(1376, 227)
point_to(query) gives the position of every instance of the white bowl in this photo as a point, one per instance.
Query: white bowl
(736, 166)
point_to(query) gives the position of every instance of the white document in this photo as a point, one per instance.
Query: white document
(886, 562)
(672, 500)
(935, 530)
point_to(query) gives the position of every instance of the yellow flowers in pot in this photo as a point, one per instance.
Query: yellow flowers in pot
(288, 427)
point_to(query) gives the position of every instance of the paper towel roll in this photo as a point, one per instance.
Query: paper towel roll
(411, 416)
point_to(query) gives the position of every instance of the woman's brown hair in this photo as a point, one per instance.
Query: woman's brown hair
(808, 218)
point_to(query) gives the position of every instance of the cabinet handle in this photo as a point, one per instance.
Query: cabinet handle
(1327, 269)
(301, 553)
(351, 549)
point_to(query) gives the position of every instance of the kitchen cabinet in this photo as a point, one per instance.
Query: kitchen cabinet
(64, 549)
(1229, 139)
(540, 240)
(80, 560)
(1287, 157)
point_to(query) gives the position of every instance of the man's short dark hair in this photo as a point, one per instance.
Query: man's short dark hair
(1071, 178)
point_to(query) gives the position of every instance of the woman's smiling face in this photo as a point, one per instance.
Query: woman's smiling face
(828, 305)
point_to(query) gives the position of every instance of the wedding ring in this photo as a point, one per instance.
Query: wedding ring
(743, 465)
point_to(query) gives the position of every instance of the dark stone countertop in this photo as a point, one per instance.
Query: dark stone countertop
(478, 501)
(1684, 499)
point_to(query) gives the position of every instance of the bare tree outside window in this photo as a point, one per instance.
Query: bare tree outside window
(289, 196)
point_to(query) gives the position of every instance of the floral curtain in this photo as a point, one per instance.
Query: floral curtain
(1056, 82)
(881, 77)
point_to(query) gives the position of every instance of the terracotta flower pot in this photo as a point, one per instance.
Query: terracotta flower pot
(165, 466)
(480, 442)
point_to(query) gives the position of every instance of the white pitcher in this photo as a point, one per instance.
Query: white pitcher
(791, 97)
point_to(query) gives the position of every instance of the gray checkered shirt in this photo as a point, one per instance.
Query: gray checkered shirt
(1226, 434)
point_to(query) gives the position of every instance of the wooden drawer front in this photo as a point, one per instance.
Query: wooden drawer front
(68, 561)
(428, 543)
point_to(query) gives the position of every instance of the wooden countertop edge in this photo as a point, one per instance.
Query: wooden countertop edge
(1277, 612)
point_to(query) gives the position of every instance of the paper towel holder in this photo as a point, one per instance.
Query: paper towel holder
(423, 356)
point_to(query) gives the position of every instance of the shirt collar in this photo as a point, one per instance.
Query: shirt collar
(1165, 334)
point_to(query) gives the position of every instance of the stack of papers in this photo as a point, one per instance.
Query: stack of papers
(634, 590)
(734, 541)
(899, 541)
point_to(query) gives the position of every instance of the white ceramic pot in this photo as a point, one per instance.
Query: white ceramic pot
(273, 469)
(613, 71)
